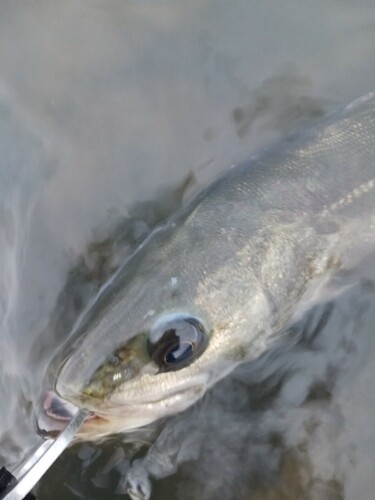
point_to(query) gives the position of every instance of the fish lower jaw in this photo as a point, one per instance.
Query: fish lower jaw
(130, 417)
(120, 412)
(176, 400)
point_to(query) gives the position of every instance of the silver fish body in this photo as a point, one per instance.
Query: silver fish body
(238, 258)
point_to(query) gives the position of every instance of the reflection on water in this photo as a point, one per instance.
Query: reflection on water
(103, 107)
(26, 161)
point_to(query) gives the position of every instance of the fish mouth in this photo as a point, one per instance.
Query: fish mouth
(55, 414)
(57, 408)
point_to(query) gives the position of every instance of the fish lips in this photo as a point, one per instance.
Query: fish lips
(54, 414)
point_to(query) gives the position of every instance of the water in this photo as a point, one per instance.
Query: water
(114, 114)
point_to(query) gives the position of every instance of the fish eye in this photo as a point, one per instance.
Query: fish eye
(175, 342)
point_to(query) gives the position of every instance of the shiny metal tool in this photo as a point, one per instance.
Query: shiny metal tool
(31, 471)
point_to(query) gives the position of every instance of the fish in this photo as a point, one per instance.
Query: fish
(217, 283)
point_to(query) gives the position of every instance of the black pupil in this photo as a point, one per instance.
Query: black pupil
(179, 352)
(176, 343)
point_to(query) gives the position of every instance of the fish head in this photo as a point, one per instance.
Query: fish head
(166, 327)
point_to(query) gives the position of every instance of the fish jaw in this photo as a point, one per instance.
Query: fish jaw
(118, 417)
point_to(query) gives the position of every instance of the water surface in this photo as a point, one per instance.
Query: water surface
(112, 115)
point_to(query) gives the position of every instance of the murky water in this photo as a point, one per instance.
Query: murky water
(112, 115)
